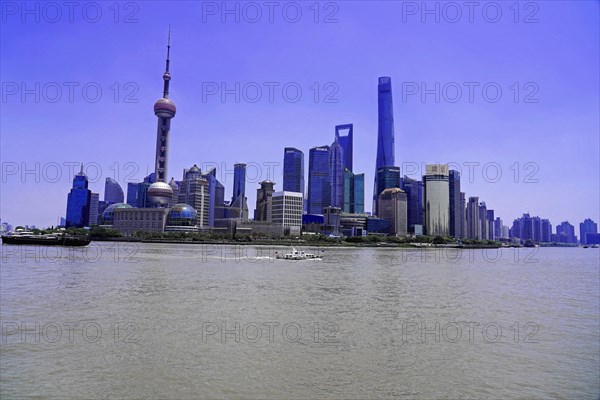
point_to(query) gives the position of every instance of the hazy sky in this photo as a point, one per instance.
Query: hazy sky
(541, 133)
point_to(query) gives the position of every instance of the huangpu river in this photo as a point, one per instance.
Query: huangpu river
(119, 320)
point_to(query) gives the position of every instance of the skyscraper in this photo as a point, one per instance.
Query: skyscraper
(319, 180)
(132, 191)
(239, 205)
(78, 202)
(490, 226)
(473, 225)
(264, 197)
(336, 165)
(194, 191)
(437, 200)
(354, 192)
(587, 226)
(344, 135)
(160, 193)
(414, 197)
(392, 207)
(483, 221)
(113, 193)
(456, 206)
(293, 170)
(546, 231)
(385, 130)
(566, 233)
(94, 207)
(387, 177)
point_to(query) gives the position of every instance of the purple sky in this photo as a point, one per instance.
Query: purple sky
(554, 61)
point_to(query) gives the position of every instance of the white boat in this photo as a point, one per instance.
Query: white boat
(297, 255)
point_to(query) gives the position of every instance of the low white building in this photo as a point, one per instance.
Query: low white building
(286, 210)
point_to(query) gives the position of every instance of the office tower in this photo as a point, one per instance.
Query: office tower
(78, 202)
(113, 193)
(344, 135)
(587, 226)
(287, 210)
(393, 208)
(160, 193)
(319, 180)
(498, 229)
(94, 208)
(388, 177)
(490, 225)
(437, 200)
(132, 191)
(385, 131)
(463, 214)
(483, 222)
(264, 197)
(473, 225)
(175, 197)
(336, 165)
(354, 192)
(566, 233)
(456, 213)
(414, 198)
(546, 231)
(102, 206)
(194, 191)
(216, 192)
(238, 207)
(293, 170)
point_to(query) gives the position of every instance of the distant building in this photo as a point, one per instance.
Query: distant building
(238, 207)
(473, 225)
(456, 205)
(354, 192)
(332, 220)
(546, 231)
(175, 188)
(391, 206)
(388, 177)
(94, 208)
(385, 132)
(287, 210)
(414, 196)
(319, 180)
(128, 221)
(78, 202)
(490, 227)
(113, 193)
(344, 134)
(483, 221)
(293, 170)
(587, 226)
(336, 165)
(437, 200)
(565, 233)
(194, 191)
(132, 192)
(264, 201)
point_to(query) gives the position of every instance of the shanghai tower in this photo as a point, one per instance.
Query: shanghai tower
(160, 193)
(385, 130)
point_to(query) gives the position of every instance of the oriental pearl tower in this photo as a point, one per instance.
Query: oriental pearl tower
(160, 193)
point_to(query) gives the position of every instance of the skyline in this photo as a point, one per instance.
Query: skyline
(313, 124)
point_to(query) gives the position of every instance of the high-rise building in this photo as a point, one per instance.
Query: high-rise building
(175, 188)
(264, 201)
(287, 210)
(473, 225)
(94, 208)
(483, 221)
(293, 170)
(463, 211)
(385, 131)
(78, 202)
(566, 233)
(238, 207)
(336, 165)
(319, 180)
(194, 191)
(160, 193)
(388, 177)
(354, 192)
(546, 231)
(344, 135)
(587, 226)
(113, 193)
(132, 191)
(490, 226)
(437, 200)
(498, 229)
(392, 207)
(414, 196)
(456, 205)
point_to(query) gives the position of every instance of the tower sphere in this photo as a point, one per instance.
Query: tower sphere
(160, 193)
(164, 108)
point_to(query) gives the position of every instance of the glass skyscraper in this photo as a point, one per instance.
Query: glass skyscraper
(388, 177)
(78, 202)
(319, 180)
(113, 193)
(456, 208)
(336, 163)
(344, 135)
(414, 198)
(385, 131)
(293, 170)
(354, 192)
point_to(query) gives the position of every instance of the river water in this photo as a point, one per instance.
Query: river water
(207, 321)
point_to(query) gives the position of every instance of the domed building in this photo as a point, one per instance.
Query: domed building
(108, 216)
(182, 218)
(160, 193)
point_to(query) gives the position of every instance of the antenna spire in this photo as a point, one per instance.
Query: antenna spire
(167, 74)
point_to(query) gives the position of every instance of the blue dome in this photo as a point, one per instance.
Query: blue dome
(182, 215)
(109, 214)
